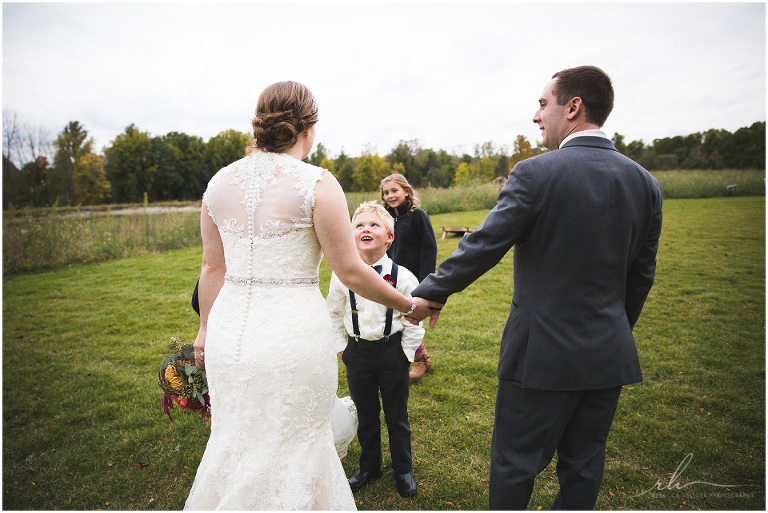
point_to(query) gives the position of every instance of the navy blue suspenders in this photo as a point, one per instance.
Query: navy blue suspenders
(390, 313)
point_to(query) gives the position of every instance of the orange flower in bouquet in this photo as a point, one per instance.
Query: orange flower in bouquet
(183, 383)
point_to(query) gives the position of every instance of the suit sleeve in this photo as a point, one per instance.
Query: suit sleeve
(642, 270)
(428, 250)
(479, 251)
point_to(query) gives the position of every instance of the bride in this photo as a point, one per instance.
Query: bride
(266, 222)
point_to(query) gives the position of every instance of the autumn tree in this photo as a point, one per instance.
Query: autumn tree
(369, 172)
(424, 161)
(328, 164)
(12, 184)
(27, 174)
(71, 144)
(319, 155)
(522, 150)
(181, 168)
(484, 170)
(32, 187)
(223, 149)
(344, 170)
(748, 146)
(441, 174)
(635, 149)
(618, 142)
(462, 174)
(484, 150)
(405, 155)
(130, 167)
(503, 166)
(91, 186)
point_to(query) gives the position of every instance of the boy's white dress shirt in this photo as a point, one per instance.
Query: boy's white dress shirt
(372, 316)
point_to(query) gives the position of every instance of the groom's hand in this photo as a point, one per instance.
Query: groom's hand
(424, 309)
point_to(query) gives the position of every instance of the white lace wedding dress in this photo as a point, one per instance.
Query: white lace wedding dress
(270, 358)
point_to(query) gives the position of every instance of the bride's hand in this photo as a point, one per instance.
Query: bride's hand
(424, 309)
(199, 347)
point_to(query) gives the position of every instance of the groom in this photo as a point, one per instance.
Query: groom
(585, 222)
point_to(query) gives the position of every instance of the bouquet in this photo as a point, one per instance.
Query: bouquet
(184, 384)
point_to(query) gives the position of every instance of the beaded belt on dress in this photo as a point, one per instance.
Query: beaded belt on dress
(285, 282)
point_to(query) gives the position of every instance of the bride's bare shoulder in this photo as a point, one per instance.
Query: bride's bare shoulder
(328, 187)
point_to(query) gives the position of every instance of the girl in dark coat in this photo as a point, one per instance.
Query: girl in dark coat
(414, 247)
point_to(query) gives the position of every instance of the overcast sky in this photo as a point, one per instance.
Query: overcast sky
(450, 75)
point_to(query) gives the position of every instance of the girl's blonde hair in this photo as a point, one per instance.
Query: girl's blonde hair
(410, 194)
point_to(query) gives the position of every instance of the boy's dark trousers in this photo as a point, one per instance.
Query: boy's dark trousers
(374, 366)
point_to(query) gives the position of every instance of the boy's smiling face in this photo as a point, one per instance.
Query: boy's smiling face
(371, 237)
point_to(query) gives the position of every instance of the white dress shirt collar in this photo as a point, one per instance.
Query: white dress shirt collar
(386, 267)
(585, 133)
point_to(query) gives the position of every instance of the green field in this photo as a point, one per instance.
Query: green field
(83, 429)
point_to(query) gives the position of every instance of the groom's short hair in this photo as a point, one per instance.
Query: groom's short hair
(589, 83)
(373, 207)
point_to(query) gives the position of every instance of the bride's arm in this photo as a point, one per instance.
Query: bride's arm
(334, 231)
(211, 276)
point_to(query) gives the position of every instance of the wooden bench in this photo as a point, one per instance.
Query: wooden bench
(463, 230)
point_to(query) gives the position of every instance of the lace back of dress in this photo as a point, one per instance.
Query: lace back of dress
(261, 196)
(271, 445)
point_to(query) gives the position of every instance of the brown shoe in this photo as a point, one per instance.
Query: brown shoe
(421, 364)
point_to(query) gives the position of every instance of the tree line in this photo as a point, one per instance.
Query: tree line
(176, 166)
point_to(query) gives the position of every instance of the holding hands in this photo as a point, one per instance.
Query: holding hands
(425, 308)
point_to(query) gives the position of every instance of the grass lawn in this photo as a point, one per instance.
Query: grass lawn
(83, 429)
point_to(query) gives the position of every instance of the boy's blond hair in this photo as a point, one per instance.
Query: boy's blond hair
(375, 208)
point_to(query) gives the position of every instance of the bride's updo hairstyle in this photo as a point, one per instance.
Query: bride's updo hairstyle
(284, 110)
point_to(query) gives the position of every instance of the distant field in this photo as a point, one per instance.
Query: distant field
(50, 238)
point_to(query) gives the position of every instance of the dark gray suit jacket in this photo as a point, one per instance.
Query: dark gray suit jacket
(585, 222)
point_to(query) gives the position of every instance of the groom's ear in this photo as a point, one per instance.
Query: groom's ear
(575, 108)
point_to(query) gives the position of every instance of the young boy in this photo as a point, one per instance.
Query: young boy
(379, 346)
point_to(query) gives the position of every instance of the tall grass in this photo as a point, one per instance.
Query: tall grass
(46, 239)
(50, 238)
(675, 184)
(32, 242)
(711, 184)
(460, 198)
